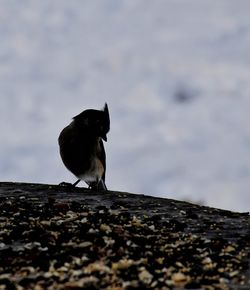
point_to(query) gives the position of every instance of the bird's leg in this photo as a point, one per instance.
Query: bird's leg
(75, 184)
(101, 185)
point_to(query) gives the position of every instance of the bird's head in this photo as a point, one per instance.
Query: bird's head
(95, 121)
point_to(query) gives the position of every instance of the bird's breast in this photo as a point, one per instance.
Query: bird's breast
(95, 171)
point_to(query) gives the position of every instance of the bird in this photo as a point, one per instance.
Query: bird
(81, 147)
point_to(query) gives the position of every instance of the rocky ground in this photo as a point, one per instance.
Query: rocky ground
(54, 237)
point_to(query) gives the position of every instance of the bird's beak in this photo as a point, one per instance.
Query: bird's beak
(104, 137)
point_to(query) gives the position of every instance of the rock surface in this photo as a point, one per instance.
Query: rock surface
(54, 237)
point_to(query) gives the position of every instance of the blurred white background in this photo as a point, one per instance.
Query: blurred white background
(176, 77)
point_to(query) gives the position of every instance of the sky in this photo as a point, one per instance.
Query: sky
(175, 74)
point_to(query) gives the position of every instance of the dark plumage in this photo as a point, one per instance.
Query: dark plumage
(81, 146)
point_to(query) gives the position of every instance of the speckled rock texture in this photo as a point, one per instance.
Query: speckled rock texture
(54, 237)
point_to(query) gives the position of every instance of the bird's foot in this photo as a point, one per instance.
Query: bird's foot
(68, 184)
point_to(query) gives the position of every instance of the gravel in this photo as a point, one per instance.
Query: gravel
(54, 237)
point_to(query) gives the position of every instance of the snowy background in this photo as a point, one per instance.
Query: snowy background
(176, 77)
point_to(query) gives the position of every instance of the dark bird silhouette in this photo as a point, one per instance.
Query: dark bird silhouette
(81, 146)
